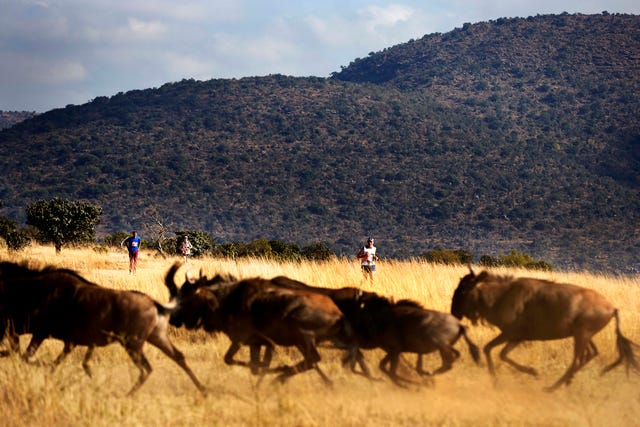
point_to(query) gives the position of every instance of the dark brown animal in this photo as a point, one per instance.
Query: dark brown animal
(350, 301)
(526, 309)
(255, 311)
(61, 304)
(197, 305)
(402, 327)
(407, 327)
(11, 327)
(15, 318)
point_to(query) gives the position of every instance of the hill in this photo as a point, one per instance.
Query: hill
(517, 133)
(10, 118)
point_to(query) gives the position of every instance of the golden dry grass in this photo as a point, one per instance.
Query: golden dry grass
(466, 395)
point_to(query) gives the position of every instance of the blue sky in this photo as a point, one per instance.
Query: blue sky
(59, 52)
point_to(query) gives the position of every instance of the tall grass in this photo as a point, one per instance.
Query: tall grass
(466, 395)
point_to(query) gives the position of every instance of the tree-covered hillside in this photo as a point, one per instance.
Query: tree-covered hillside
(10, 118)
(511, 134)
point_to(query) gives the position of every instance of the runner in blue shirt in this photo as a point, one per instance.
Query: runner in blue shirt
(133, 245)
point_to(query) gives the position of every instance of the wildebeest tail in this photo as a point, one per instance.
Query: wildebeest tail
(473, 349)
(165, 309)
(625, 350)
(169, 280)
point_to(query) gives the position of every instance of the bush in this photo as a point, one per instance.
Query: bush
(448, 257)
(116, 238)
(228, 250)
(489, 261)
(318, 252)
(15, 237)
(515, 259)
(285, 251)
(259, 248)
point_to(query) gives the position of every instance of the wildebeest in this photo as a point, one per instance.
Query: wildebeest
(256, 312)
(350, 301)
(61, 304)
(396, 327)
(407, 327)
(526, 309)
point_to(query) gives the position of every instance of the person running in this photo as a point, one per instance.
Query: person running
(367, 256)
(133, 246)
(185, 248)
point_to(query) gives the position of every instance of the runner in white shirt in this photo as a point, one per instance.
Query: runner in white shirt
(367, 256)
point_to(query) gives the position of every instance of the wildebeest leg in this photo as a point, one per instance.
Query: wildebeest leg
(580, 345)
(162, 342)
(487, 351)
(85, 361)
(254, 359)
(68, 347)
(392, 359)
(231, 351)
(506, 350)
(260, 366)
(419, 369)
(33, 346)
(311, 359)
(143, 365)
(448, 355)
(13, 341)
(354, 356)
(268, 355)
(257, 366)
(12, 338)
(589, 353)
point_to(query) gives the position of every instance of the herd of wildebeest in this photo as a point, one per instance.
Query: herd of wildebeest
(266, 313)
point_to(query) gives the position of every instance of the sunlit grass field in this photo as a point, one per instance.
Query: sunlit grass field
(34, 395)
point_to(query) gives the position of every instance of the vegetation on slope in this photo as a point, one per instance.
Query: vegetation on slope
(510, 134)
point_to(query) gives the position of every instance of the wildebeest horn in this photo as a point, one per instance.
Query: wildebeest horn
(189, 278)
(473, 273)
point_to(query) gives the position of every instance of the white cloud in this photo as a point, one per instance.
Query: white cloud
(376, 17)
(146, 29)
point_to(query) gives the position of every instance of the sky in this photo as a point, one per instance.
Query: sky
(59, 52)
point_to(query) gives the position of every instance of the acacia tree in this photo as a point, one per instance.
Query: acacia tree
(64, 222)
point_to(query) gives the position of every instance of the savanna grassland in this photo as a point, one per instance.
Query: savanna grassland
(33, 395)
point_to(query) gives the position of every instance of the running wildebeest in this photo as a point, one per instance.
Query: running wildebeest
(62, 304)
(407, 327)
(198, 305)
(401, 327)
(255, 311)
(526, 309)
(350, 301)
(15, 314)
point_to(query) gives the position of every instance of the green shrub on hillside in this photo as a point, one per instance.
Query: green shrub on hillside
(448, 257)
(515, 259)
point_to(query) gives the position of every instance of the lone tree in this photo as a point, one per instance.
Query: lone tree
(64, 222)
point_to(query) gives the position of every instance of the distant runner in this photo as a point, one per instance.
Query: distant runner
(367, 256)
(133, 245)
